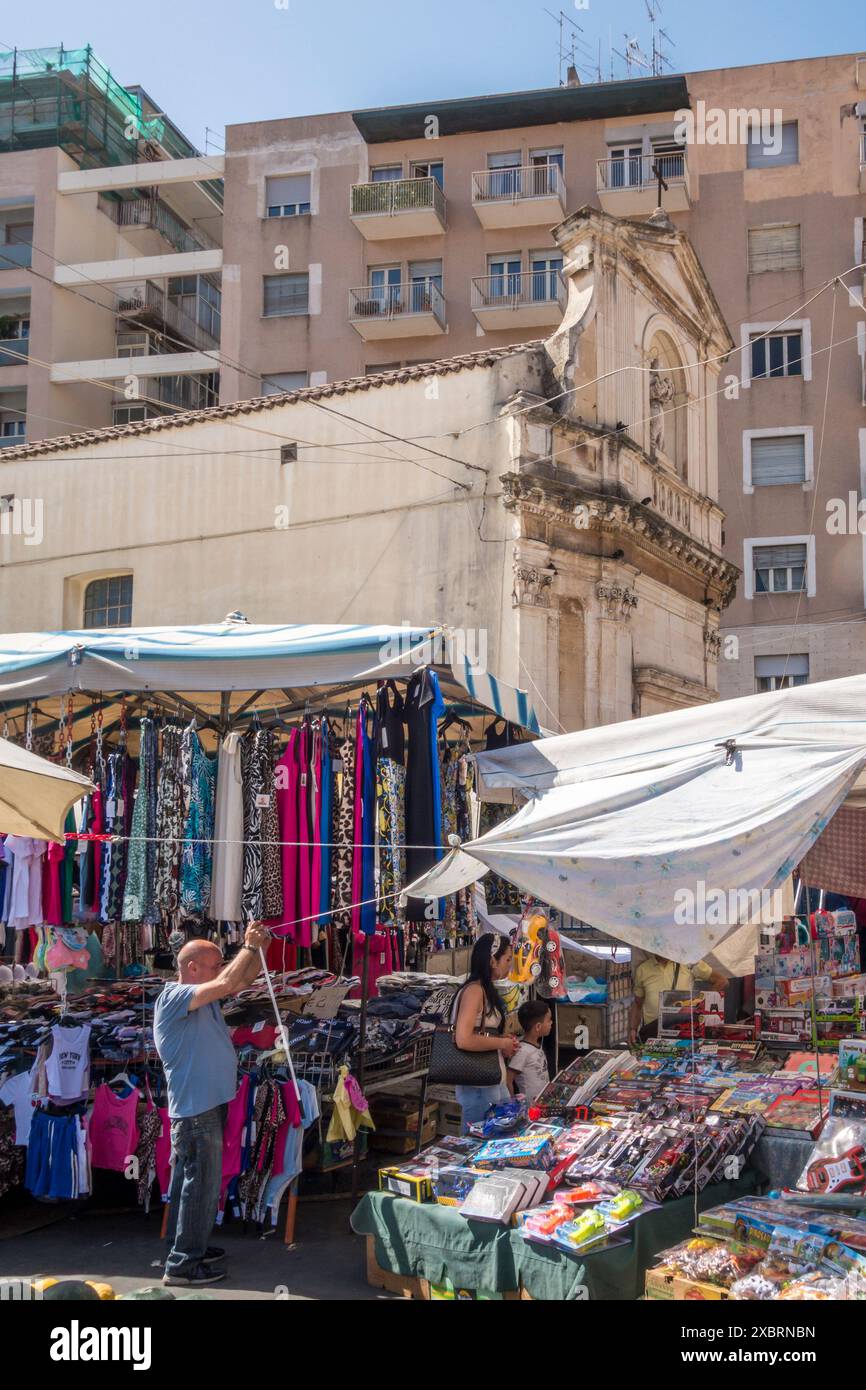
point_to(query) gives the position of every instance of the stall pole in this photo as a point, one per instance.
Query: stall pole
(812, 966)
(362, 1045)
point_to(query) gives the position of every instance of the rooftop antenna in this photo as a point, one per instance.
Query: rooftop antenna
(571, 44)
(660, 60)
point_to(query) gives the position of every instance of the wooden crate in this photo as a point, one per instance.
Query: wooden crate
(450, 1119)
(405, 1143)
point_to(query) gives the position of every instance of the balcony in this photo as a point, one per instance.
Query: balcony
(147, 304)
(531, 299)
(13, 351)
(397, 208)
(155, 215)
(530, 196)
(414, 310)
(15, 254)
(629, 188)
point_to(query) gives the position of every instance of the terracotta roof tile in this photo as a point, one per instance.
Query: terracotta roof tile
(444, 367)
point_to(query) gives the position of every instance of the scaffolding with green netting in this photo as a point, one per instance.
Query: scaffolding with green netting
(66, 97)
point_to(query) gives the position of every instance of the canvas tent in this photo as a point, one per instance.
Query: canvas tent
(220, 671)
(663, 831)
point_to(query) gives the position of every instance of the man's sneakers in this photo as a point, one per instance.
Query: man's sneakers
(198, 1276)
(213, 1255)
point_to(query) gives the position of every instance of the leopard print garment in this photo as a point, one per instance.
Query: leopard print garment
(272, 855)
(344, 838)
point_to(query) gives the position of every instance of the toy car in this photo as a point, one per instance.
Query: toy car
(832, 1175)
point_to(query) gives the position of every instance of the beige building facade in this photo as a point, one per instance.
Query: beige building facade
(357, 242)
(495, 492)
(110, 250)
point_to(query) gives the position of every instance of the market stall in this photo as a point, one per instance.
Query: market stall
(297, 775)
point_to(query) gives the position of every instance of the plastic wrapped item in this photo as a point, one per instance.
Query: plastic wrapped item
(837, 1163)
(815, 1286)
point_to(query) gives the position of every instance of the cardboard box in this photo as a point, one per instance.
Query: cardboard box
(403, 1182)
(794, 964)
(450, 1118)
(688, 1290)
(791, 993)
(660, 1283)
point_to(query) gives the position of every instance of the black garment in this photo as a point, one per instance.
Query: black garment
(501, 738)
(421, 828)
(390, 739)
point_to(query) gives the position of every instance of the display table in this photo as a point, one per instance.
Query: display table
(433, 1243)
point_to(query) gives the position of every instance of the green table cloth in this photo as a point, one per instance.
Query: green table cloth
(426, 1241)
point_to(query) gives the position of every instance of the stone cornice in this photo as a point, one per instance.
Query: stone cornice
(569, 503)
(650, 680)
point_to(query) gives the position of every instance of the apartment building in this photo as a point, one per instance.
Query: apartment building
(110, 252)
(383, 238)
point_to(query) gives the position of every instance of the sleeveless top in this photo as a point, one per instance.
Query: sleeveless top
(488, 1020)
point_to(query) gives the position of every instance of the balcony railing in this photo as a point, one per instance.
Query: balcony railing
(514, 185)
(393, 196)
(157, 215)
(528, 287)
(15, 254)
(397, 301)
(148, 303)
(13, 351)
(12, 441)
(636, 171)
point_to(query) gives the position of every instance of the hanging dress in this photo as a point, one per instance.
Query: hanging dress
(139, 904)
(228, 850)
(424, 707)
(197, 853)
(391, 802)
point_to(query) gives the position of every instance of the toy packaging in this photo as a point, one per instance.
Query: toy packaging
(852, 1063)
(407, 1181)
(523, 1151)
(837, 1163)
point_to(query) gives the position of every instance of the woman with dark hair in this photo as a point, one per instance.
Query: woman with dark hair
(480, 1022)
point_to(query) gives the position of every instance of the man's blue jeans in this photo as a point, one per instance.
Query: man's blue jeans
(197, 1149)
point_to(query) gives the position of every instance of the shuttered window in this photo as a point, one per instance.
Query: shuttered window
(780, 569)
(778, 460)
(286, 294)
(774, 248)
(781, 672)
(288, 196)
(766, 150)
(278, 382)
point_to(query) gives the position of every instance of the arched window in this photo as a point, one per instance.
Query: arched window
(108, 602)
(668, 404)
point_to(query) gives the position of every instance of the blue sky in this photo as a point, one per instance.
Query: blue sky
(217, 62)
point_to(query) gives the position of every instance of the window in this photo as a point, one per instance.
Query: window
(774, 248)
(777, 460)
(131, 414)
(547, 168)
(780, 569)
(670, 158)
(624, 169)
(385, 289)
(386, 173)
(779, 354)
(288, 196)
(425, 285)
(132, 344)
(286, 294)
(18, 234)
(275, 383)
(14, 429)
(546, 271)
(199, 299)
(768, 149)
(108, 602)
(429, 169)
(781, 672)
(505, 177)
(503, 277)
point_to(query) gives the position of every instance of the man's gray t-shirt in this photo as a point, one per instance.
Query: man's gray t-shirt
(196, 1051)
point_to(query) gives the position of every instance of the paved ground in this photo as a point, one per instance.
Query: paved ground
(121, 1248)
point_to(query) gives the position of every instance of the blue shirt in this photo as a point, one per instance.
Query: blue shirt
(196, 1051)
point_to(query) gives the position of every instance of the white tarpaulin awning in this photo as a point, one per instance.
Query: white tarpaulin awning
(662, 832)
(35, 794)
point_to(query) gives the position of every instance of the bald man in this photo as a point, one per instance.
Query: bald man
(200, 1065)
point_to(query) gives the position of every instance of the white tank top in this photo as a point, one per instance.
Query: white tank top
(68, 1067)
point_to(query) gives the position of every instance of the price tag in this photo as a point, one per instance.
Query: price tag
(263, 800)
(325, 1002)
(118, 807)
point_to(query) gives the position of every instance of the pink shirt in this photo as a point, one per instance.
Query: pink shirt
(113, 1128)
